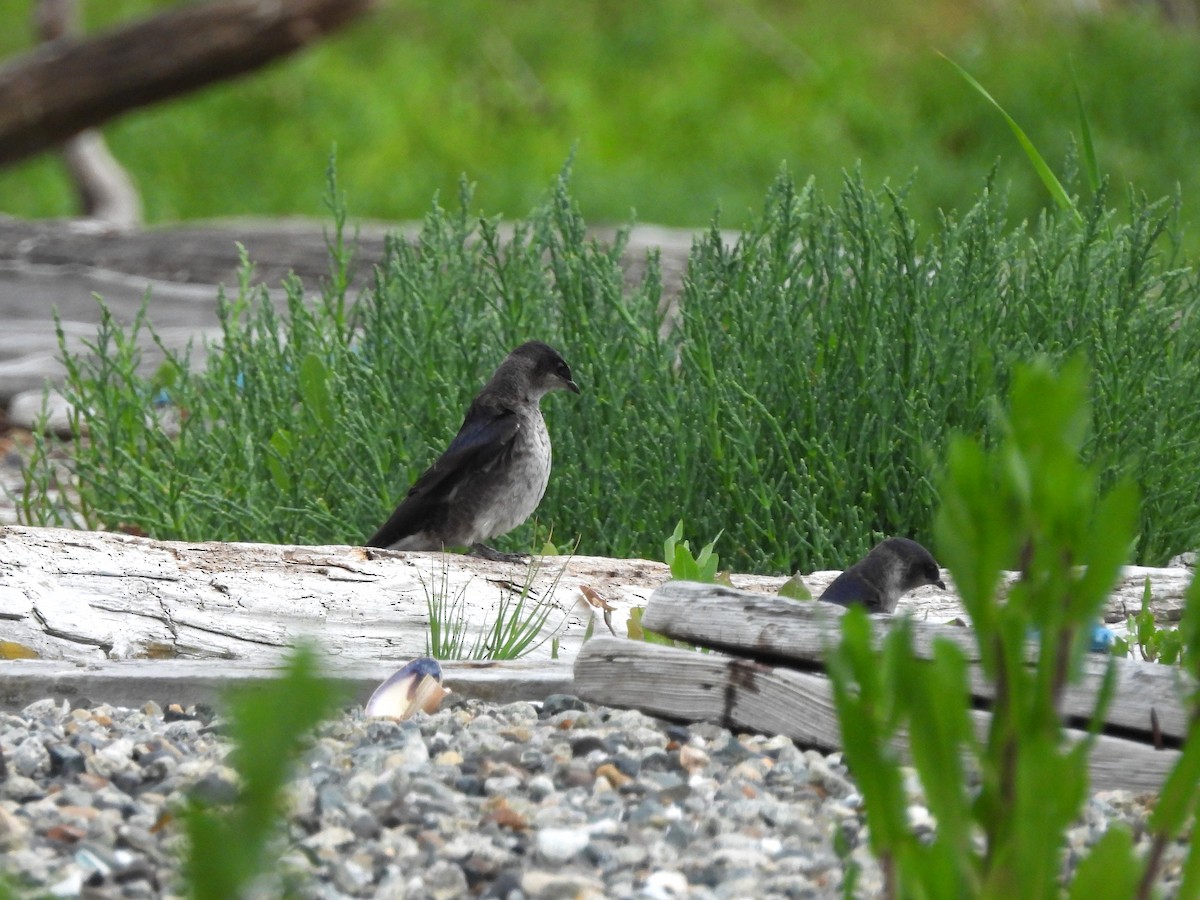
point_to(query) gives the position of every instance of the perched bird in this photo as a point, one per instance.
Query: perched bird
(495, 471)
(894, 567)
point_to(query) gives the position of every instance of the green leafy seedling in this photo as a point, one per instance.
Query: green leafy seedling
(639, 632)
(1152, 643)
(677, 554)
(795, 589)
(314, 387)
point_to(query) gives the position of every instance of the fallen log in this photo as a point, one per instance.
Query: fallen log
(89, 596)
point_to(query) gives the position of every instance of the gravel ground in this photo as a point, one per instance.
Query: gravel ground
(554, 800)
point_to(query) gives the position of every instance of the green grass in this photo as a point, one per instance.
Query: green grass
(677, 108)
(800, 410)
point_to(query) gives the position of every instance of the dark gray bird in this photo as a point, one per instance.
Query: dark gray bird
(894, 567)
(495, 471)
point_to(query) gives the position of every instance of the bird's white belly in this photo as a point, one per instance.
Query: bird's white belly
(513, 498)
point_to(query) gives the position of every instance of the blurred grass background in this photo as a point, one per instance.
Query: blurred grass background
(676, 108)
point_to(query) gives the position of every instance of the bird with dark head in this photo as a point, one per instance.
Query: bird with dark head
(894, 567)
(493, 475)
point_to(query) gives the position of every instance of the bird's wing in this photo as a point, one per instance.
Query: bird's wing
(851, 588)
(486, 435)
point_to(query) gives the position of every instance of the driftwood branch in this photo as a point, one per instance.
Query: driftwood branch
(54, 92)
(106, 192)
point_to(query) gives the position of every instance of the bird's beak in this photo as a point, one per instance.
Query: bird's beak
(940, 584)
(572, 387)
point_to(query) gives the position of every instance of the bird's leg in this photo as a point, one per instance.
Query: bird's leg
(483, 551)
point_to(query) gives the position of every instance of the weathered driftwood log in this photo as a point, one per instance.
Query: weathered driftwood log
(1168, 587)
(88, 596)
(53, 92)
(776, 630)
(743, 694)
(50, 265)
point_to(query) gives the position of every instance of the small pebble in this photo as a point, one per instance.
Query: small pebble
(558, 845)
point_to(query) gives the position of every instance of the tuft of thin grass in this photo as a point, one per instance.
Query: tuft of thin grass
(517, 625)
(446, 634)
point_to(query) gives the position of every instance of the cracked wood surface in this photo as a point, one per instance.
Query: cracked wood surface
(87, 596)
(1148, 698)
(744, 695)
(766, 673)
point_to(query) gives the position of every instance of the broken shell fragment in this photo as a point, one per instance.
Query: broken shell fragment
(417, 686)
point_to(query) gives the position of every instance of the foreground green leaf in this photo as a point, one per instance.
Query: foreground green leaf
(269, 725)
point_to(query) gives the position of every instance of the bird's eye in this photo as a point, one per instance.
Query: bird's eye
(564, 370)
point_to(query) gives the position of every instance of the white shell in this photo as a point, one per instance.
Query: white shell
(417, 686)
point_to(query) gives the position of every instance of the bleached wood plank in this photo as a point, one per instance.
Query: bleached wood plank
(740, 694)
(186, 682)
(781, 630)
(1168, 587)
